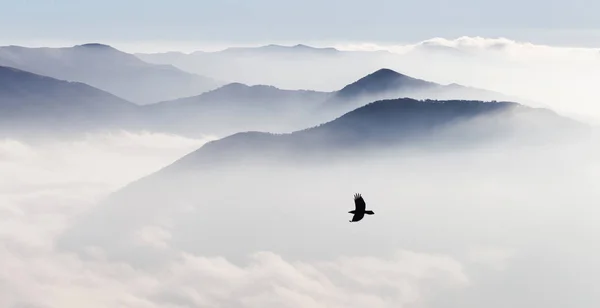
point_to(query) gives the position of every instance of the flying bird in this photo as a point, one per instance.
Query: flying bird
(359, 211)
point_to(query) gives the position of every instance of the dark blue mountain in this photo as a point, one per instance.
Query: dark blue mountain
(34, 102)
(390, 124)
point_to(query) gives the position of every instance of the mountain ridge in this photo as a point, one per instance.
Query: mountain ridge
(239, 107)
(29, 100)
(391, 122)
(237, 102)
(108, 69)
(383, 80)
(368, 140)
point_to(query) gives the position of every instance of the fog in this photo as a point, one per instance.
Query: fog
(94, 220)
(492, 226)
(562, 78)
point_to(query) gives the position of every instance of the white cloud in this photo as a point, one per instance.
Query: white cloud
(38, 206)
(270, 281)
(468, 43)
(447, 226)
(94, 160)
(494, 257)
(562, 78)
(53, 279)
(154, 236)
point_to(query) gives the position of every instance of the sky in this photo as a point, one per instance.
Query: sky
(223, 22)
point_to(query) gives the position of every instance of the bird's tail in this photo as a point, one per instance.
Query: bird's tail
(369, 212)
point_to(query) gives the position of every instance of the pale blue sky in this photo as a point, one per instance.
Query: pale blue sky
(573, 22)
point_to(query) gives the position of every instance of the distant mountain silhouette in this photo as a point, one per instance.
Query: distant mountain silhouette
(239, 107)
(206, 194)
(274, 48)
(289, 67)
(392, 123)
(236, 107)
(244, 96)
(109, 69)
(389, 84)
(380, 82)
(32, 101)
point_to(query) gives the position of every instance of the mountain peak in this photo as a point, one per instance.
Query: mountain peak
(94, 45)
(233, 85)
(383, 73)
(237, 90)
(380, 81)
(297, 47)
(237, 86)
(302, 46)
(283, 48)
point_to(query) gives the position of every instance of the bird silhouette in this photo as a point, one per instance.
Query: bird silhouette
(359, 211)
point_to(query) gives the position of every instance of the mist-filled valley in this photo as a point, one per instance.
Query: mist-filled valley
(235, 190)
(451, 229)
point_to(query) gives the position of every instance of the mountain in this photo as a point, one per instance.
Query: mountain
(236, 107)
(392, 123)
(288, 67)
(30, 101)
(109, 69)
(279, 49)
(273, 50)
(244, 96)
(388, 84)
(383, 82)
(251, 185)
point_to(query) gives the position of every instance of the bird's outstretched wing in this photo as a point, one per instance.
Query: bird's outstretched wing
(359, 203)
(357, 216)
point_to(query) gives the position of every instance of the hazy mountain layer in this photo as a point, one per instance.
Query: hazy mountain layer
(238, 107)
(222, 191)
(108, 69)
(32, 102)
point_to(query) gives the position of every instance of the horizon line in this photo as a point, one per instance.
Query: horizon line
(189, 47)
